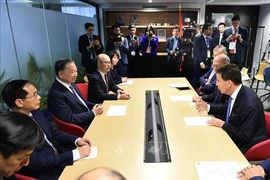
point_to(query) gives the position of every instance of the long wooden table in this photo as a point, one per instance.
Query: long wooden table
(120, 140)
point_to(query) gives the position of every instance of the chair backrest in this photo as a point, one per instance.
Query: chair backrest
(23, 177)
(262, 66)
(68, 127)
(267, 120)
(266, 75)
(83, 87)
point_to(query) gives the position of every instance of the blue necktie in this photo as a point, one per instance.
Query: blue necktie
(228, 110)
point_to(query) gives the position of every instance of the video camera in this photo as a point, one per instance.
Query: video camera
(189, 32)
(116, 38)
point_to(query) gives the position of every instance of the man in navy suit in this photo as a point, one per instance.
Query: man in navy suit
(65, 100)
(175, 50)
(245, 122)
(255, 172)
(120, 45)
(235, 39)
(208, 80)
(218, 36)
(90, 47)
(59, 149)
(203, 47)
(101, 82)
(134, 54)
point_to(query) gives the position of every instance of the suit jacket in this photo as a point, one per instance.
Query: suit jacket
(246, 125)
(201, 51)
(209, 88)
(83, 43)
(144, 44)
(67, 107)
(216, 39)
(239, 46)
(115, 76)
(123, 49)
(133, 47)
(169, 47)
(44, 163)
(97, 90)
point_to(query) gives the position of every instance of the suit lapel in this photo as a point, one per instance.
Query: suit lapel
(103, 83)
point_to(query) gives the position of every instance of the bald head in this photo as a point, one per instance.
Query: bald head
(102, 174)
(103, 63)
(103, 57)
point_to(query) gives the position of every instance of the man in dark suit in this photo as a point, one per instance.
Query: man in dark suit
(65, 100)
(175, 50)
(214, 101)
(235, 39)
(208, 80)
(245, 122)
(255, 172)
(59, 149)
(120, 45)
(90, 47)
(101, 82)
(134, 54)
(218, 36)
(203, 47)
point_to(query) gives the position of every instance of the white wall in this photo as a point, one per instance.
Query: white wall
(262, 37)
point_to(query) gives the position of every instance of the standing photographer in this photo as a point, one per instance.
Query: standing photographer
(149, 44)
(175, 50)
(120, 45)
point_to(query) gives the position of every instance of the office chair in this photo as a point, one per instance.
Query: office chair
(259, 75)
(266, 77)
(68, 127)
(83, 87)
(260, 151)
(23, 177)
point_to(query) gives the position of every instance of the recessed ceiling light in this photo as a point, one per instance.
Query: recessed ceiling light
(149, 1)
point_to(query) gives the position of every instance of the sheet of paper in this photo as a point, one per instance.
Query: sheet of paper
(93, 153)
(117, 111)
(245, 77)
(181, 98)
(219, 170)
(128, 83)
(178, 85)
(197, 121)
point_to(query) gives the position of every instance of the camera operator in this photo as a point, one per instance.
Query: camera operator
(149, 44)
(175, 51)
(119, 44)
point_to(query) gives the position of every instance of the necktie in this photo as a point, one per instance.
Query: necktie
(90, 38)
(46, 139)
(228, 110)
(207, 42)
(78, 96)
(106, 82)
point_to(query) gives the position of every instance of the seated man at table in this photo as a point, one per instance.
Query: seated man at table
(101, 83)
(102, 174)
(255, 172)
(214, 101)
(60, 149)
(65, 100)
(245, 121)
(208, 80)
(17, 143)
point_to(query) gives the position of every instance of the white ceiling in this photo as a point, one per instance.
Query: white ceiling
(164, 2)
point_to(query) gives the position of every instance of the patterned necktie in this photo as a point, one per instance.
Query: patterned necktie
(78, 96)
(106, 82)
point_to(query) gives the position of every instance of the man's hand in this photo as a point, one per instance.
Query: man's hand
(250, 172)
(120, 91)
(125, 96)
(171, 52)
(98, 109)
(96, 42)
(84, 142)
(84, 151)
(215, 122)
(196, 98)
(202, 66)
(201, 105)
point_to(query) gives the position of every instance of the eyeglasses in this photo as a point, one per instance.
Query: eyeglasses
(90, 29)
(34, 96)
(106, 62)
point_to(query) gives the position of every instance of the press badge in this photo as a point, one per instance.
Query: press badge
(133, 53)
(208, 54)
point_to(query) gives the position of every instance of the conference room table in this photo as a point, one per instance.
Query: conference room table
(120, 139)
